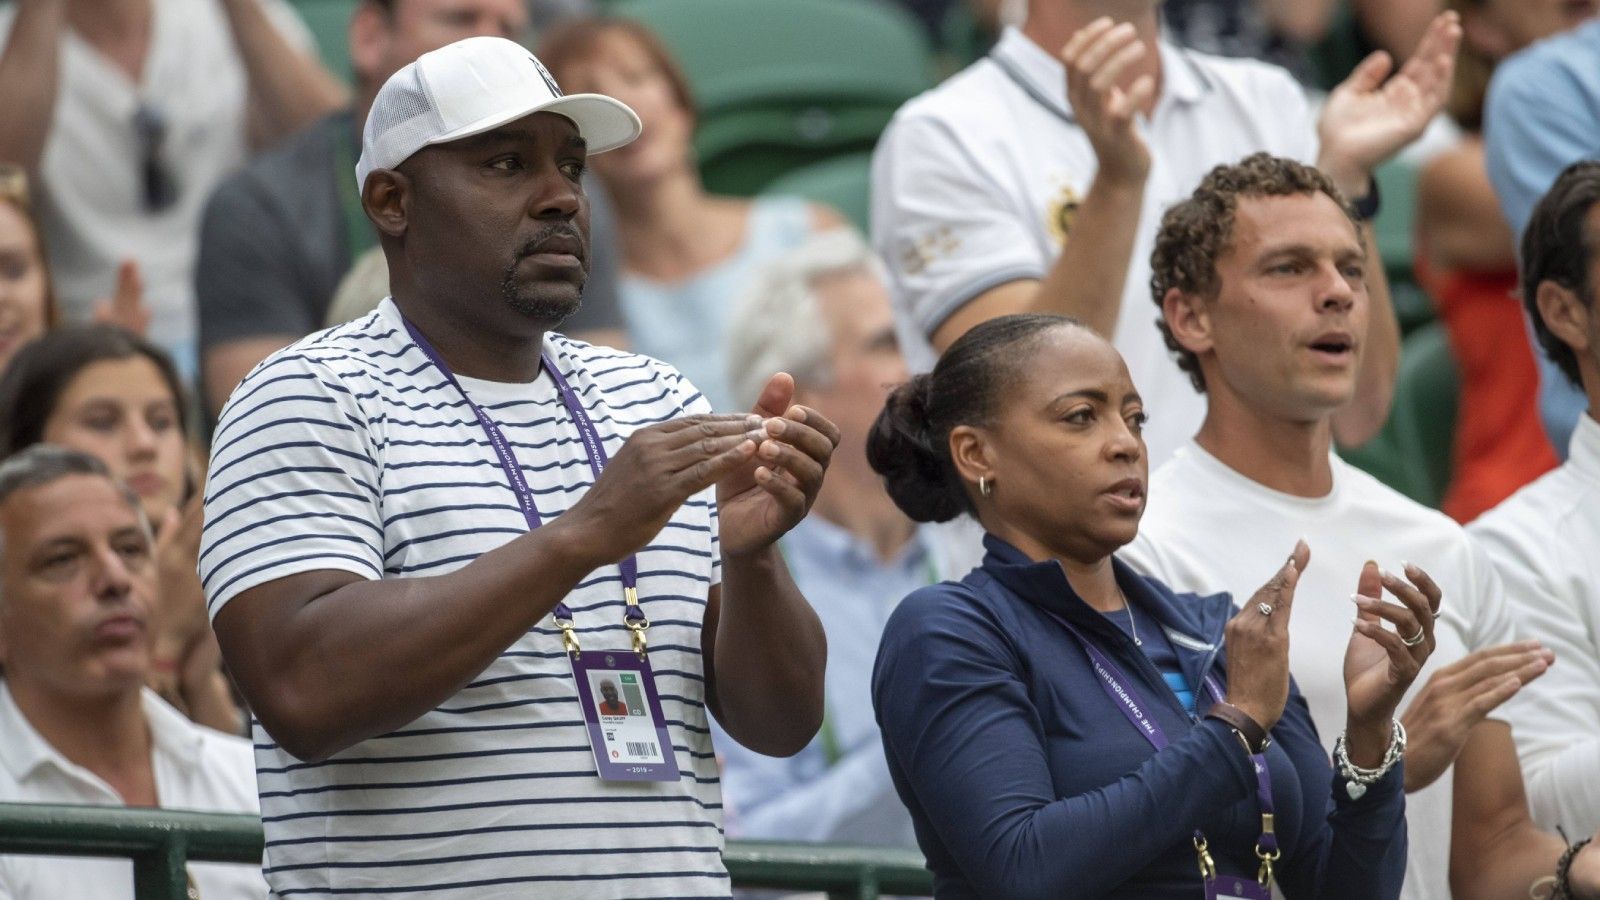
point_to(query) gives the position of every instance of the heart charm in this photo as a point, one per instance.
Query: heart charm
(1356, 791)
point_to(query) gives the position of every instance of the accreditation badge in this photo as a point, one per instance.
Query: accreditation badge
(1236, 887)
(622, 712)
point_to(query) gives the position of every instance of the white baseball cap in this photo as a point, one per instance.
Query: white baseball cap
(470, 87)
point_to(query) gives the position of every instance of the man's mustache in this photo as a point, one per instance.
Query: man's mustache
(551, 232)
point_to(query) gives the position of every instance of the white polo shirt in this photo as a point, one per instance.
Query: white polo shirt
(196, 768)
(1209, 528)
(91, 200)
(975, 184)
(1543, 542)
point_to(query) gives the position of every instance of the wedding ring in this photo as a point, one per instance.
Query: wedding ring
(1415, 639)
(1266, 608)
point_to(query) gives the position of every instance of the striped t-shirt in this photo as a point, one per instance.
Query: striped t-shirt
(350, 451)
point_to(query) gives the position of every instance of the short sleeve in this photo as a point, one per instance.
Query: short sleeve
(941, 223)
(1537, 121)
(294, 424)
(1298, 140)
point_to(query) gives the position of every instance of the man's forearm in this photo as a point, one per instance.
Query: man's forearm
(369, 656)
(29, 76)
(1088, 278)
(288, 89)
(765, 656)
(1363, 417)
(1506, 866)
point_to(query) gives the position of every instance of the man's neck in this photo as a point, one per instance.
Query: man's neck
(472, 349)
(107, 735)
(1285, 456)
(862, 508)
(120, 29)
(1051, 24)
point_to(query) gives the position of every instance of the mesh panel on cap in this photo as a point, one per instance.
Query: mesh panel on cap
(401, 122)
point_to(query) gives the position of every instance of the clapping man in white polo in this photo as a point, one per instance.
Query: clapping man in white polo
(434, 533)
(1034, 180)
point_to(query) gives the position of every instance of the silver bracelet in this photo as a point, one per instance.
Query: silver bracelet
(1356, 778)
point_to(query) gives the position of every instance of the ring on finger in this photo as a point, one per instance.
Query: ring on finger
(1266, 608)
(1415, 639)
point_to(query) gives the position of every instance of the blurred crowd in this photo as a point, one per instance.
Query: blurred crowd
(178, 202)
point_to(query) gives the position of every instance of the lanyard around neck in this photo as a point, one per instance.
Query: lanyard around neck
(1127, 699)
(595, 453)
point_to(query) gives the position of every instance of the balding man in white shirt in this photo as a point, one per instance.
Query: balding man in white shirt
(1545, 539)
(77, 724)
(1034, 181)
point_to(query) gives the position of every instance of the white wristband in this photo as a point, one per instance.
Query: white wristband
(1357, 778)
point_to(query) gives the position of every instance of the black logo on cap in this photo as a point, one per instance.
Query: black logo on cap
(549, 81)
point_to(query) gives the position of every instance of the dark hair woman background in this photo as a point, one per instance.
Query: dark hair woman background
(1061, 726)
(107, 392)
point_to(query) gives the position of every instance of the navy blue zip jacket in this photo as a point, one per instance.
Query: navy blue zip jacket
(1024, 779)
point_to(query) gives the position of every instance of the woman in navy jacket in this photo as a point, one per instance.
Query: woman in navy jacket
(1023, 706)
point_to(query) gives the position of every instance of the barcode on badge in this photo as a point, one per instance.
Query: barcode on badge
(641, 748)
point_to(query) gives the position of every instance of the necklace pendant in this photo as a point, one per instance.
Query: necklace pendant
(1138, 643)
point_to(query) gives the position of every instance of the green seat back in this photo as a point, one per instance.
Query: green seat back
(329, 21)
(1413, 454)
(783, 83)
(843, 182)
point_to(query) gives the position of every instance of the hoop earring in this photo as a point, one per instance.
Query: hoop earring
(983, 486)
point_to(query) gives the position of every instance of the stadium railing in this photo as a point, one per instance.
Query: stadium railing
(161, 842)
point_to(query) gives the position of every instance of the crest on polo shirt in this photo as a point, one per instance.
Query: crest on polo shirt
(1059, 213)
(916, 255)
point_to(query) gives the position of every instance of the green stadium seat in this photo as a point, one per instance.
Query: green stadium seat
(785, 83)
(329, 21)
(1413, 453)
(843, 182)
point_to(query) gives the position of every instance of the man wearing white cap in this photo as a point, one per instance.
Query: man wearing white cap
(432, 533)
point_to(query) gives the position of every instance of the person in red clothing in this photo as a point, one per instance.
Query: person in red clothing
(1466, 260)
(609, 704)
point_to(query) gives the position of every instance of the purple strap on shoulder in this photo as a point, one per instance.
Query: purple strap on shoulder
(595, 453)
(1123, 694)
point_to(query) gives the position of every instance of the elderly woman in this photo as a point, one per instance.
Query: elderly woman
(1059, 725)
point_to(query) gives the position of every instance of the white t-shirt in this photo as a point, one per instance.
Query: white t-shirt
(350, 451)
(975, 182)
(91, 195)
(195, 769)
(1545, 543)
(1208, 529)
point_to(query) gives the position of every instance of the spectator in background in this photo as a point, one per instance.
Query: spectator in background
(1544, 539)
(1466, 259)
(101, 390)
(280, 239)
(822, 315)
(27, 304)
(1024, 183)
(685, 253)
(1025, 779)
(1542, 115)
(1260, 279)
(77, 563)
(128, 113)
(1275, 31)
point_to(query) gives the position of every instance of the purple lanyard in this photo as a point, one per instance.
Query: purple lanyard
(596, 455)
(1121, 692)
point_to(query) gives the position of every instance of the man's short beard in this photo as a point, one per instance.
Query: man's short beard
(529, 303)
(540, 308)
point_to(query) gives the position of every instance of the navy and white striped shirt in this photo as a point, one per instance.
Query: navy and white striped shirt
(350, 451)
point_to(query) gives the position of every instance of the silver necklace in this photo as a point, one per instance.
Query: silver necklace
(1133, 621)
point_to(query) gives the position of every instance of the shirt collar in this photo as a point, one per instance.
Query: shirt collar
(1583, 449)
(1042, 75)
(23, 750)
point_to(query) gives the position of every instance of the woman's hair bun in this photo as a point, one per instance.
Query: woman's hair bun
(917, 474)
